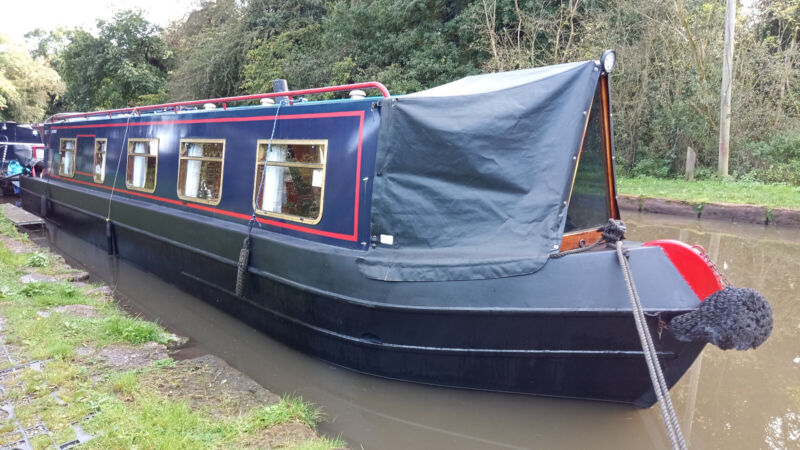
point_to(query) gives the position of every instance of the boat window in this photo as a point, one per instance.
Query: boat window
(588, 206)
(200, 170)
(293, 183)
(66, 155)
(100, 160)
(142, 164)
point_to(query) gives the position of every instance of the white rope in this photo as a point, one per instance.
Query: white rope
(654, 367)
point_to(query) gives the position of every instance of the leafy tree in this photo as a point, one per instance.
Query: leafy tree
(210, 47)
(268, 18)
(26, 84)
(126, 65)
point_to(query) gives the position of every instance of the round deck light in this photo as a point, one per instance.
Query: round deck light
(608, 60)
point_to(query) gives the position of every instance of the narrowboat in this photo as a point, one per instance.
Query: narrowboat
(411, 237)
(21, 151)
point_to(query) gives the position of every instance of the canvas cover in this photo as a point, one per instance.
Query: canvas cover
(473, 177)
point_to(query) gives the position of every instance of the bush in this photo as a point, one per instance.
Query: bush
(654, 167)
(777, 159)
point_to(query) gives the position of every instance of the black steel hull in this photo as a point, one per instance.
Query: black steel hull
(316, 301)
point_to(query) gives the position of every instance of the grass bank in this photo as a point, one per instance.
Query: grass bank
(713, 191)
(74, 368)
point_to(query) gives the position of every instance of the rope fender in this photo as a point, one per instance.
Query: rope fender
(738, 318)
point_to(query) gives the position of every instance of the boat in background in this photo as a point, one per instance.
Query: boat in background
(21, 150)
(435, 237)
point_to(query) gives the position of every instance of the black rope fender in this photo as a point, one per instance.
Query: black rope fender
(731, 318)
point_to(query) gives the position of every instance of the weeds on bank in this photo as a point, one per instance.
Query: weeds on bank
(118, 408)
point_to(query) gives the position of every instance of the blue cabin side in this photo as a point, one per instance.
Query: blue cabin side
(350, 128)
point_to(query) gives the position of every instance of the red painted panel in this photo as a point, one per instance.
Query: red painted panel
(693, 265)
(38, 151)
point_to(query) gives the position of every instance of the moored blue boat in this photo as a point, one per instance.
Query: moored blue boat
(415, 237)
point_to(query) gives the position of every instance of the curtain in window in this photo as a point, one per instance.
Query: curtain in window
(139, 165)
(274, 187)
(68, 162)
(100, 166)
(192, 187)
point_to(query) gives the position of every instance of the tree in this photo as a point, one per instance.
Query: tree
(126, 65)
(210, 48)
(26, 84)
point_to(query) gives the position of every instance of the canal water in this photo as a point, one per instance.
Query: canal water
(728, 399)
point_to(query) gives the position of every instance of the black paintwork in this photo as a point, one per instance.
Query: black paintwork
(564, 331)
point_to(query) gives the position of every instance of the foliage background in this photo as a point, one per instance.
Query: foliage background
(666, 86)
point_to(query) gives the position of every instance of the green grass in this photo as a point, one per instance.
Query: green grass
(148, 421)
(69, 387)
(713, 191)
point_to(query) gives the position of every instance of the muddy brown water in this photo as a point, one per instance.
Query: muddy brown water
(726, 400)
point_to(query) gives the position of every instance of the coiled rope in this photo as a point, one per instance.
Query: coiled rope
(244, 253)
(654, 367)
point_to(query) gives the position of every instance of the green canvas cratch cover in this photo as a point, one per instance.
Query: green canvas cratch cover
(473, 177)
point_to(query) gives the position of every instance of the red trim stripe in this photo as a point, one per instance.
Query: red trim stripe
(290, 226)
(86, 174)
(85, 135)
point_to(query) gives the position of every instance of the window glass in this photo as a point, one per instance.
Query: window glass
(290, 179)
(66, 154)
(100, 160)
(588, 206)
(142, 164)
(200, 170)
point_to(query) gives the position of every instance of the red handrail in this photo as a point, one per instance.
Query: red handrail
(225, 100)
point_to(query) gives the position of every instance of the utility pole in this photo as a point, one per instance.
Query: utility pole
(727, 84)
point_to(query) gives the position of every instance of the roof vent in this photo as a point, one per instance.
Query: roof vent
(267, 101)
(209, 106)
(357, 94)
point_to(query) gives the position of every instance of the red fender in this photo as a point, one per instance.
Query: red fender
(693, 265)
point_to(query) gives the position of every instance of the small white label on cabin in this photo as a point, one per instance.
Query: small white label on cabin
(387, 239)
(316, 178)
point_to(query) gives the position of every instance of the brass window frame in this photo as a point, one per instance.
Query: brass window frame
(74, 156)
(323, 165)
(102, 179)
(201, 158)
(128, 154)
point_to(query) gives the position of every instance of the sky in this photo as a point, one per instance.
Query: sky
(21, 16)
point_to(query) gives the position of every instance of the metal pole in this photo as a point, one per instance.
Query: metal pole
(727, 82)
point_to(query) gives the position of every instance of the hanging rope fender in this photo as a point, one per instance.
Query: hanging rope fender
(651, 357)
(244, 252)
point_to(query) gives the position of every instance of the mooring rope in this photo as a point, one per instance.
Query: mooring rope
(244, 253)
(613, 234)
(654, 367)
